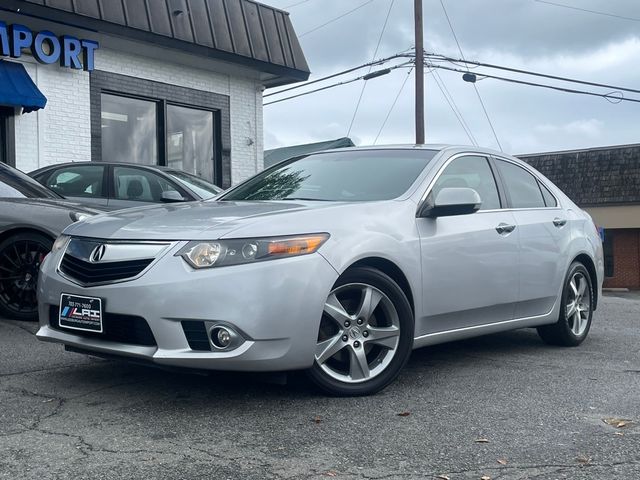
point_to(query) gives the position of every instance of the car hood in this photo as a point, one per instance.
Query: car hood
(188, 221)
(61, 204)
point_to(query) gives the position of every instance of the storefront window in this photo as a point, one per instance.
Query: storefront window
(129, 130)
(190, 141)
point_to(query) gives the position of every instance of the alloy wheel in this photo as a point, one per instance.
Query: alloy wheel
(19, 266)
(578, 305)
(359, 333)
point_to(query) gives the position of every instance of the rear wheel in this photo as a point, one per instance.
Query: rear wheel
(365, 335)
(576, 310)
(20, 259)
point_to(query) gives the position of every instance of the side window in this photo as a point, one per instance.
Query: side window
(549, 199)
(522, 186)
(139, 185)
(76, 181)
(471, 172)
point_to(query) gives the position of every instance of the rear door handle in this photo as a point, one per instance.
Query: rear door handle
(504, 228)
(559, 222)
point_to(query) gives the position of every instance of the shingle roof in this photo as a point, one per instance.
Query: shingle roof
(275, 155)
(595, 176)
(240, 31)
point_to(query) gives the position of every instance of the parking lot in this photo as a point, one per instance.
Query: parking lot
(503, 406)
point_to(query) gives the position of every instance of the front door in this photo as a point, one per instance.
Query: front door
(469, 262)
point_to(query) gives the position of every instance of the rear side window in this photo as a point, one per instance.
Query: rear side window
(549, 199)
(139, 185)
(522, 187)
(470, 172)
(77, 181)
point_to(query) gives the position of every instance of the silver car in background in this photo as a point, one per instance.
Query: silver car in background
(339, 263)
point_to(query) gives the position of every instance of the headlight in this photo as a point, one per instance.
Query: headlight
(221, 253)
(59, 244)
(78, 217)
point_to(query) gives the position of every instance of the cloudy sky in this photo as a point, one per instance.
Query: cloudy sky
(525, 34)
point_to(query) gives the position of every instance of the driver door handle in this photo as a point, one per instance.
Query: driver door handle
(504, 228)
(559, 222)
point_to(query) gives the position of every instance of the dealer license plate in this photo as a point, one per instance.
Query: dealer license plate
(80, 313)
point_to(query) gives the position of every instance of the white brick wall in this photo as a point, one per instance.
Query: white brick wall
(62, 131)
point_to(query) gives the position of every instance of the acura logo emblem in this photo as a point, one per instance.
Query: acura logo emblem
(97, 253)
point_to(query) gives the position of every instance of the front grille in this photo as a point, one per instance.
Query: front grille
(88, 273)
(117, 328)
(196, 334)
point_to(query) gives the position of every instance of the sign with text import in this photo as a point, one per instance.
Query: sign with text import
(46, 47)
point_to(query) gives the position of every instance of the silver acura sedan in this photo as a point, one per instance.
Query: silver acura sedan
(339, 263)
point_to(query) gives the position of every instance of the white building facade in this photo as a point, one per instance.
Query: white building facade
(167, 88)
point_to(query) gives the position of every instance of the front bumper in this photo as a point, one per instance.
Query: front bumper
(276, 304)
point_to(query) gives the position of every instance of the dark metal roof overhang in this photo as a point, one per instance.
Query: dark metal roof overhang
(241, 32)
(17, 89)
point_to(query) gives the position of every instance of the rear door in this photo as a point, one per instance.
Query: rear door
(469, 262)
(543, 234)
(84, 183)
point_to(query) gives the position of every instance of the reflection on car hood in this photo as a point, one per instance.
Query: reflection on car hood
(184, 221)
(53, 203)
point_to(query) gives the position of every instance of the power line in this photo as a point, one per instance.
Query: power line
(580, 9)
(395, 100)
(364, 85)
(454, 108)
(484, 108)
(295, 4)
(336, 18)
(607, 96)
(362, 77)
(337, 74)
(528, 72)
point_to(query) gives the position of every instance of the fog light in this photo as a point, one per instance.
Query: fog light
(221, 337)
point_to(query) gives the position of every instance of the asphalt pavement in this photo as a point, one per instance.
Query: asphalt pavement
(504, 406)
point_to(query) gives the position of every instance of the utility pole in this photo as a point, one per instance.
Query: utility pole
(419, 72)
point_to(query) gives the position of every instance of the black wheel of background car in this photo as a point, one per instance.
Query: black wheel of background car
(20, 259)
(365, 336)
(576, 310)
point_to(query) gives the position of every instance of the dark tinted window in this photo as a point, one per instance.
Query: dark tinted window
(15, 184)
(139, 185)
(352, 176)
(76, 181)
(200, 187)
(549, 199)
(522, 186)
(470, 172)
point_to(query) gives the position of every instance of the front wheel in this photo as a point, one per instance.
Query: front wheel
(576, 310)
(365, 335)
(20, 259)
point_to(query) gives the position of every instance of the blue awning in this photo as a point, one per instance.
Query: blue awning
(17, 89)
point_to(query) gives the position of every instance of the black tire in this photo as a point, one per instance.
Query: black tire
(20, 258)
(405, 323)
(562, 332)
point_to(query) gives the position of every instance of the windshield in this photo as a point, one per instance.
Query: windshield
(347, 176)
(15, 184)
(200, 187)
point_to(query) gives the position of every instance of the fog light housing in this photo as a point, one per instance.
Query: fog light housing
(223, 338)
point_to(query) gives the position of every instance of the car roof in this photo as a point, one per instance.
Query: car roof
(88, 162)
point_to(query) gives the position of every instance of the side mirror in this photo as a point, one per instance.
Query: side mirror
(451, 201)
(171, 196)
